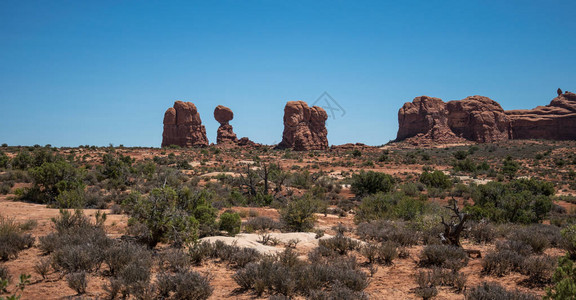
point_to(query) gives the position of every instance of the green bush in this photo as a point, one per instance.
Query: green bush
(366, 183)
(53, 178)
(510, 167)
(230, 221)
(436, 179)
(520, 201)
(387, 206)
(298, 214)
(165, 219)
(564, 280)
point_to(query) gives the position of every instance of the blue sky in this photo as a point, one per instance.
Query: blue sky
(100, 72)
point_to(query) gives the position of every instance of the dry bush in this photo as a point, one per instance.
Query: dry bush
(12, 239)
(184, 285)
(78, 281)
(487, 291)
(502, 262)
(539, 268)
(339, 244)
(444, 256)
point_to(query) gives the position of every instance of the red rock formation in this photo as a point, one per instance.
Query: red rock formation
(483, 120)
(304, 127)
(475, 118)
(183, 126)
(226, 134)
(425, 118)
(478, 119)
(556, 121)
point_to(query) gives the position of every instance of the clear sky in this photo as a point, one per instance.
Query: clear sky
(99, 72)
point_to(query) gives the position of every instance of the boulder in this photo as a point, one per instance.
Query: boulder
(304, 127)
(183, 126)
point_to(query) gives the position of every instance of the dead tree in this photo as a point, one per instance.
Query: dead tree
(453, 229)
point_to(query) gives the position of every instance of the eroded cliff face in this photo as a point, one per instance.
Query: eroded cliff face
(481, 119)
(183, 126)
(475, 118)
(304, 127)
(555, 121)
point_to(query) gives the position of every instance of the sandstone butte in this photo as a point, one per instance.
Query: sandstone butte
(304, 127)
(481, 119)
(183, 126)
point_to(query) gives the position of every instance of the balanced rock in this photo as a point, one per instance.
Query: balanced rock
(556, 121)
(183, 126)
(226, 134)
(304, 127)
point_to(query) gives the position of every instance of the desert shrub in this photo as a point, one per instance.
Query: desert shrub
(339, 244)
(426, 288)
(121, 254)
(12, 239)
(200, 251)
(77, 244)
(520, 201)
(539, 268)
(174, 260)
(502, 262)
(165, 217)
(76, 258)
(261, 223)
(298, 214)
(516, 246)
(78, 281)
(569, 235)
(563, 279)
(509, 167)
(285, 274)
(487, 291)
(436, 179)
(388, 206)
(71, 199)
(382, 231)
(184, 285)
(53, 178)
(42, 267)
(370, 182)
(444, 256)
(230, 221)
(132, 279)
(336, 292)
(482, 232)
(387, 252)
(370, 251)
(441, 277)
(536, 240)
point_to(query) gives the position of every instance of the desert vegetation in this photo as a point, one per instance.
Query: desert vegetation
(487, 221)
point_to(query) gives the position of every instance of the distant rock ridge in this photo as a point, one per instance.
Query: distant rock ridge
(183, 126)
(304, 127)
(481, 119)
